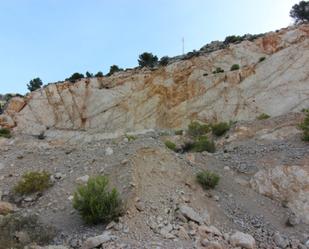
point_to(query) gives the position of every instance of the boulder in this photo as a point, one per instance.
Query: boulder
(6, 208)
(190, 214)
(82, 179)
(288, 184)
(96, 241)
(243, 240)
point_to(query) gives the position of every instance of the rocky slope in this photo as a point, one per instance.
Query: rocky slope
(171, 96)
(261, 200)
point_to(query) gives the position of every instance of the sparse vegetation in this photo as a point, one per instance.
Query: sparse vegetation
(207, 179)
(305, 127)
(196, 129)
(130, 137)
(6, 133)
(300, 12)
(147, 60)
(263, 116)
(262, 59)
(75, 76)
(201, 144)
(34, 181)
(220, 129)
(34, 84)
(96, 203)
(235, 67)
(304, 110)
(218, 70)
(170, 145)
(29, 226)
(179, 132)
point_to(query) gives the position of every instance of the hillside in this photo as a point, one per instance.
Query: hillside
(136, 128)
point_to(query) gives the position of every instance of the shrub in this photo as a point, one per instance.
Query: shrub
(130, 137)
(4, 132)
(218, 70)
(232, 39)
(114, 69)
(99, 74)
(235, 67)
(207, 179)
(96, 203)
(170, 145)
(75, 76)
(13, 225)
(300, 12)
(179, 132)
(147, 60)
(203, 144)
(196, 129)
(220, 128)
(305, 127)
(32, 182)
(34, 84)
(89, 75)
(263, 116)
(164, 61)
(41, 136)
(262, 59)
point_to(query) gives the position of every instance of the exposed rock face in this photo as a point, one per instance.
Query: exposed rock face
(171, 96)
(286, 183)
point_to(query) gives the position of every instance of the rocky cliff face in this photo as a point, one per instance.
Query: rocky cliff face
(172, 96)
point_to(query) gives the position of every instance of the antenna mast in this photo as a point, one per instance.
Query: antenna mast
(183, 45)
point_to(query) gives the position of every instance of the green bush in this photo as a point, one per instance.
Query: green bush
(114, 69)
(207, 179)
(262, 59)
(32, 182)
(96, 203)
(263, 116)
(99, 74)
(196, 129)
(164, 61)
(202, 144)
(89, 75)
(147, 60)
(170, 145)
(218, 70)
(220, 128)
(179, 132)
(75, 76)
(305, 127)
(304, 110)
(235, 67)
(130, 137)
(233, 39)
(4, 132)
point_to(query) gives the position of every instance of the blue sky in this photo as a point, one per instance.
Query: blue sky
(52, 39)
